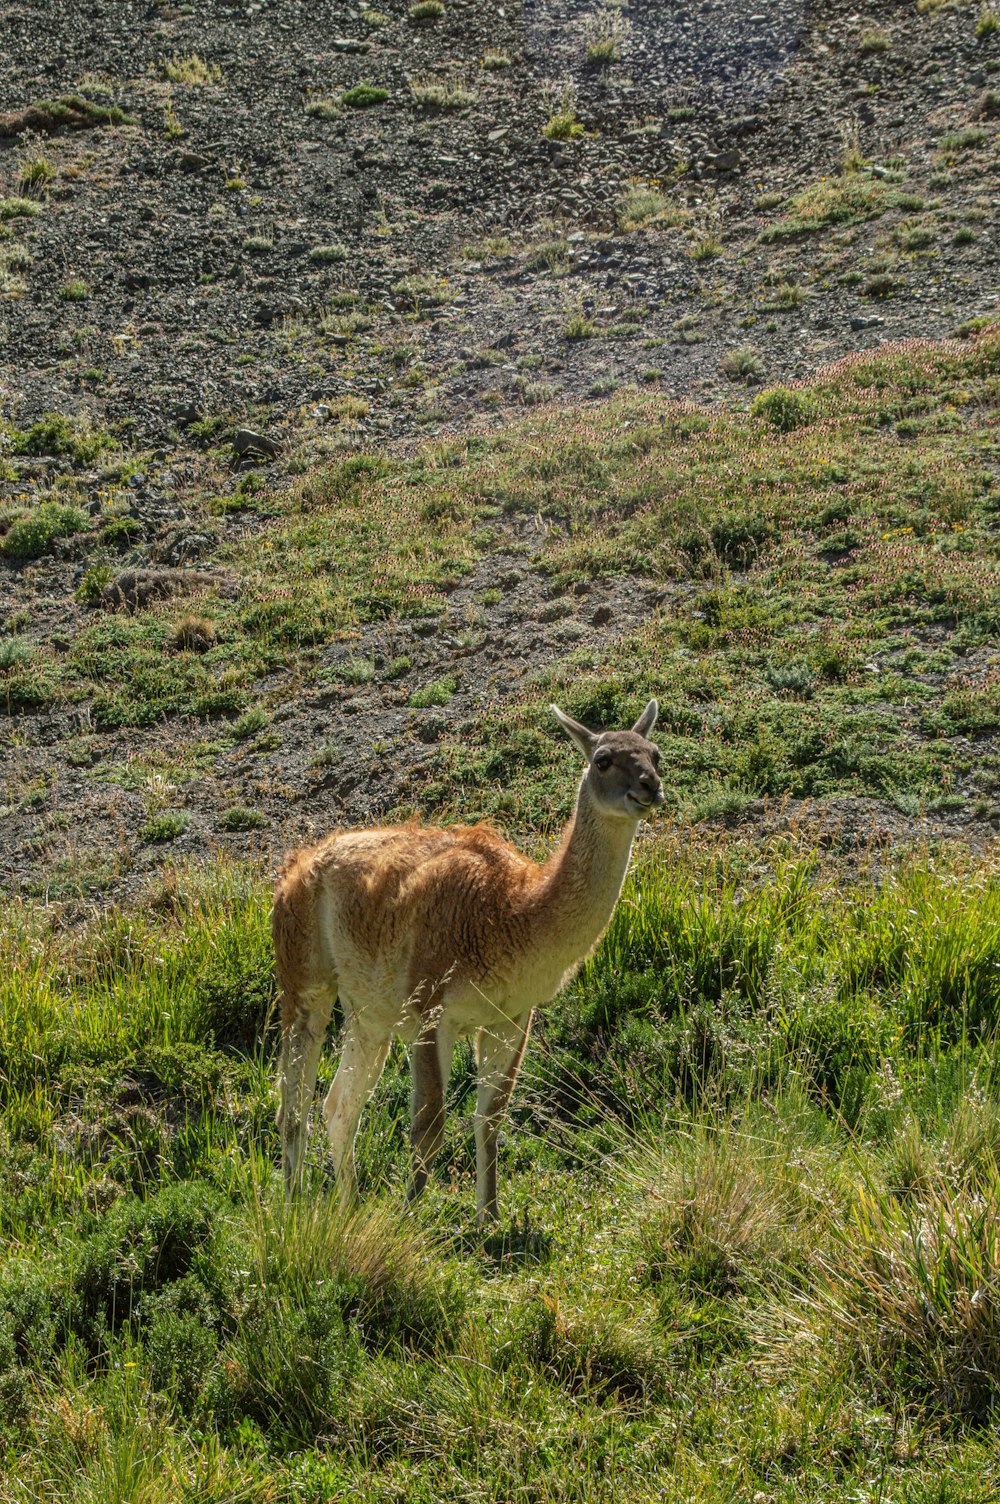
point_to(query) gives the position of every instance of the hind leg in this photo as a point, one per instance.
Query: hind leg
(430, 1063)
(304, 1024)
(362, 1061)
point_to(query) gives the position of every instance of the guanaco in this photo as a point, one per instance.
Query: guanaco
(438, 934)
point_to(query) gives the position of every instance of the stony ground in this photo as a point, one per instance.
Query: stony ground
(214, 237)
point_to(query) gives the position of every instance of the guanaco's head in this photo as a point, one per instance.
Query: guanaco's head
(622, 776)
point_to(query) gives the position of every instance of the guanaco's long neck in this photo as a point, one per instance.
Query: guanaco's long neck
(583, 878)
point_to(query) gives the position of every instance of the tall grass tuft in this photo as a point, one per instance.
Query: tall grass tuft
(730, 1206)
(909, 1293)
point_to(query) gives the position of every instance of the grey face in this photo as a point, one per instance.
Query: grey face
(623, 776)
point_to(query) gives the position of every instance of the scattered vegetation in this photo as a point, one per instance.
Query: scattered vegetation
(35, 175)
(431, 94)
(19, 208)
(874, 40)
(328, 255)
(742, 364)
(437, 692)
(842, 200)
(191, 70)
(165, 826)
(580, 326)
(363, 96)
(35, 533)
(644, 207)
(562, 124)
(604, 33)
(783, 408)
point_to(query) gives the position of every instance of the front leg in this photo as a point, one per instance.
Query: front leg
(499, 1052)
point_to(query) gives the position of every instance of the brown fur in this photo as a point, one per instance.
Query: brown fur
(437, 932)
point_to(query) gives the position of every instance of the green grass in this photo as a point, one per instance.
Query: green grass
(817, 537)
(749, 1190)
(841, 200)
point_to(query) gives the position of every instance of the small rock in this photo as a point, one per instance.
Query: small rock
(602, 616)
(725, 161)
(191, 546)
(245, 441)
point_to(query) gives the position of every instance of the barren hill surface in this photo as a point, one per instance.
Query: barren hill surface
(241, 244)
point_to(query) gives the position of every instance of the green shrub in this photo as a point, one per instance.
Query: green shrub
(180, 1324)
(33, 536)
(56, 435)
(239, 817)
(166, 826)
(437, 692)
(782, 408)
(363, 96)
(139, 1248)
(29, 1325)
(90, 591)
(290, 1368)
(121, 532)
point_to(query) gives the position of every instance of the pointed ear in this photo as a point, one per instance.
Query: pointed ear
(647, 720)
(579, 735)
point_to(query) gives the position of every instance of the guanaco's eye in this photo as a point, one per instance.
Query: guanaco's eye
(655, 755)
(603, 761)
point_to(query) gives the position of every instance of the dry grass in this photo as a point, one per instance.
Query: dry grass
(731, 1207)
(191, 70)
(909, 1293)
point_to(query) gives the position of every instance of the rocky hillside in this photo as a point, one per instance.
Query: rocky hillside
(241, 242)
